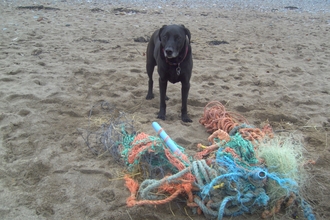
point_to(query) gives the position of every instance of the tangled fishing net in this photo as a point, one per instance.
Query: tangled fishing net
(107, 129)
(243, 169)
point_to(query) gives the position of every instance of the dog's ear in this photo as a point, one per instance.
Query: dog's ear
(186, 30)
(160, 31)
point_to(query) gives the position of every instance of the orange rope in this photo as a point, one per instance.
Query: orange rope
(173, 160)
(220, 134)
(255, 134)
(281, 202)
(178, 164)
(133, 187)
(139, 146)
(252, 134)
(182, 185)
(216, 117)
(174, 189)
(159, 202)
(206, 151)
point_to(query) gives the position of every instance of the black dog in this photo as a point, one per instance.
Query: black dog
(169, 48)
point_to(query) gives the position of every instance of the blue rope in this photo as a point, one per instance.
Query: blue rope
(308, 212)
(286, 183)
(208, 187)
(223, 205)
(259, 197)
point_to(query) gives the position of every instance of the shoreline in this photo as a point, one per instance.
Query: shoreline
(298, 6)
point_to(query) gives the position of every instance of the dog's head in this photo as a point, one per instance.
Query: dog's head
(173, 39)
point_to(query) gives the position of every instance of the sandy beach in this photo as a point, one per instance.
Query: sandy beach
(60, 60)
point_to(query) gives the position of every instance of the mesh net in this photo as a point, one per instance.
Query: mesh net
(107, 129)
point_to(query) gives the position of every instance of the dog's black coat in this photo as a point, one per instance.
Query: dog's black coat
(169, 48)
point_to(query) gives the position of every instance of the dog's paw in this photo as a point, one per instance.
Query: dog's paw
(185, 118)
(149, 96)
(161, 116)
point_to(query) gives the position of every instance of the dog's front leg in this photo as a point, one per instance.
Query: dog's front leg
(150, 70)
(184, 96)
(150, 94)
(162, 92)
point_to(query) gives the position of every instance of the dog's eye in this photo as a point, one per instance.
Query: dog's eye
(177, 38)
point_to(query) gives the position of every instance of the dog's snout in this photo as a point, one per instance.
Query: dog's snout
(169, 52)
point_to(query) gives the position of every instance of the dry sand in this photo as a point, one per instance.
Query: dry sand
(56, 64)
